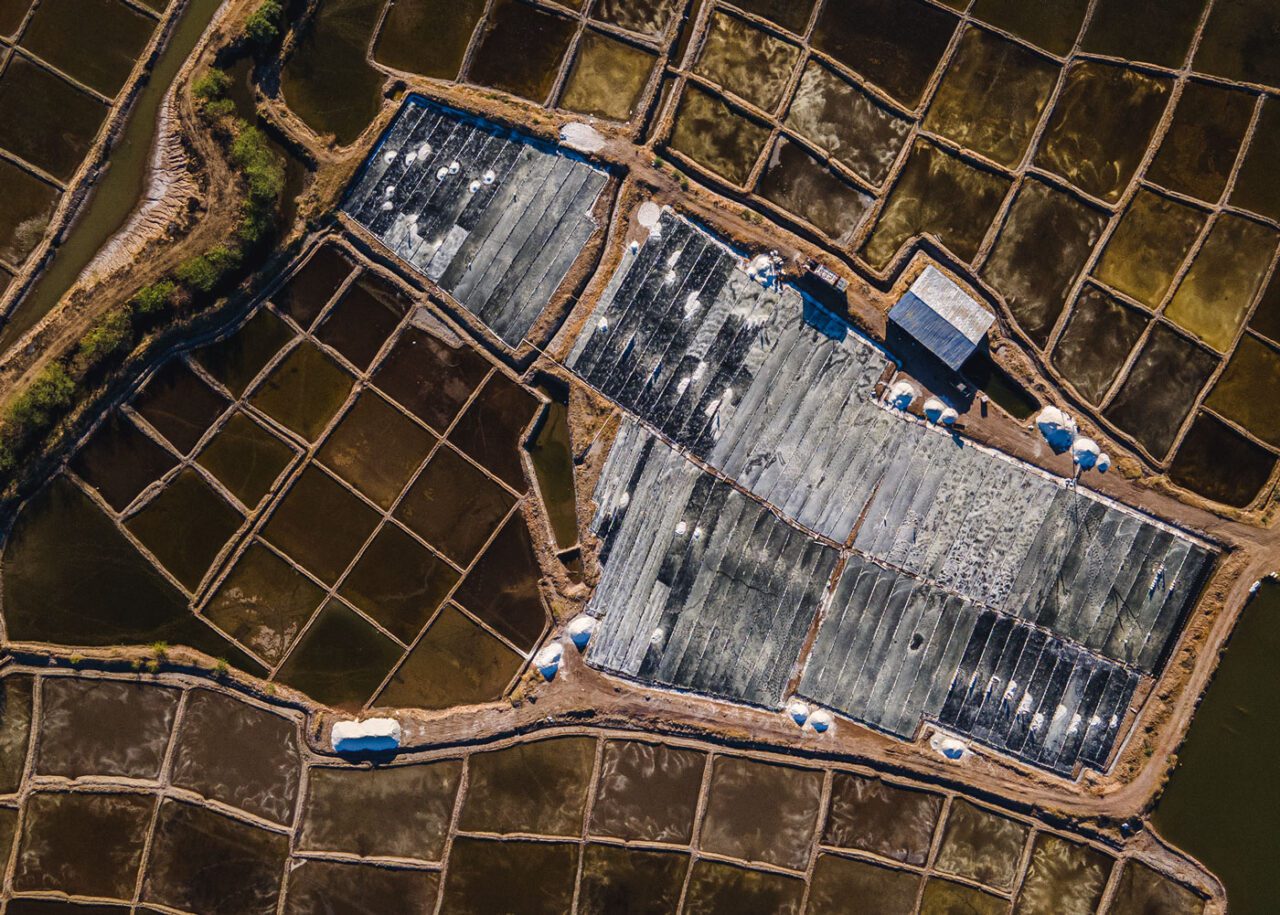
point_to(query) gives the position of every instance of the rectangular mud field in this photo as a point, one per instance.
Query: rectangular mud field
(330, 494)
(239, 816)
(495, 218)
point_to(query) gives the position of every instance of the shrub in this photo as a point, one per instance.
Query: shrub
(204, 272)
(211, 85)
(110, 333)
(154, 298)
(37, 408)
(263, 26)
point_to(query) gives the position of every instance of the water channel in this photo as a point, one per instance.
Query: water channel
(1222, 804)
(117, 194)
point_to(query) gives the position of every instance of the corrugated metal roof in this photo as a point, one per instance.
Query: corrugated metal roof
(943, 317)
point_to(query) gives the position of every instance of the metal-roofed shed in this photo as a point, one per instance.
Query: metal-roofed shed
(942, 317)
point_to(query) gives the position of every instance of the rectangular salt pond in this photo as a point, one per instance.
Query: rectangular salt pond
(491, 216)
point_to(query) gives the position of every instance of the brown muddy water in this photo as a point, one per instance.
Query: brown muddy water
(119, 461)
(104, 728)
(399, 583)
(746, 60)
(521, 49)
(1052, 26)
(647, 792)
(238, 359)
(325, 886)
(234, 753)
(539, 787)
(1035, 278)
(455, 663)
(96, 42)
(1200, 147)
(502, 587)
(790, 14)
(553, 472)
(1254, 367)
(1161, 388)
(851, 125)
(361, 321)
(761, 812)
(1063, 878)
(627, 880)
(533, 878)
(492, 429)
(715, 887)
(1221, 463)
(942, 897)
(264, 603)
(1156, 31)
(25, 210)
(1101, 126)
(398, 811)
(981, 846)
(45, 120)
(429, 377)
(938, 194)
(716, 136)
(453, 506)
(246, 458)
(1257, 188)
(1148, 246)
(644, 17)
(607, 78)
(1228, 47)
(992, 96)
(376, 448)
(304, 391)
(837, 881)
(1213, 298)
(1000, 388)
(320, 524)
(871, 38)
(179, 405)
(800, 184)
(306, 293)
(84, 844)
(868, 814)
(204, 861)
(327, 81)
(427, 37)
(1222, 803)
(340, 660)
(1100, 334)
(186, 526)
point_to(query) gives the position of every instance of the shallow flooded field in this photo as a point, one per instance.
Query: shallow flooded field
(263, 603)
(186, 526)
(717, 137)
(327, 81)
(553, 470)
(45, 120)
(1216, 460)
(1148, 247)
(1155, 398)
(1101, 125)
(991, 96)
(868, 37)
(527, 824)
(521, 49)
(746, 60)
(106, 728)
(1036, 279)
(888, 820)
(802, 185)
(1096, 341)
(1052, 26)
(93, 41)
(376, 448)
(936, 194)
(25, 211)
(1214, 297)
(846, 121)
(341, 659)
(1200, 148)
(607, 78)
(427, 37)
(246, 458)
(1256, 186)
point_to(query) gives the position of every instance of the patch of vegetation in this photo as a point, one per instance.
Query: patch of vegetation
(30, 420)
(263, 26)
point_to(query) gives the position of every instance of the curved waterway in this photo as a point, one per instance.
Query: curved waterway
(1223, 801)
(119, 191)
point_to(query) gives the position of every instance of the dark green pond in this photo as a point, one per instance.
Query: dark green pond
(1222, 804)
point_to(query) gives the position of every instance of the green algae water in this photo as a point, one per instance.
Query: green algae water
(116, 196)
(1222, 804)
